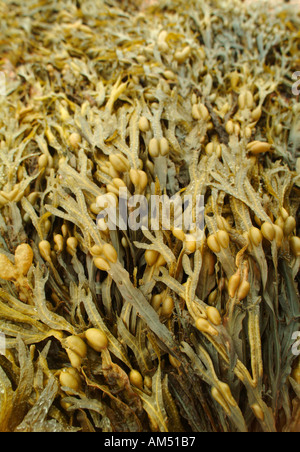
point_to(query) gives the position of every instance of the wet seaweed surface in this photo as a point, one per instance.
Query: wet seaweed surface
(139, 329)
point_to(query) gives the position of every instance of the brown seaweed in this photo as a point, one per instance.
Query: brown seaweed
(148, 328)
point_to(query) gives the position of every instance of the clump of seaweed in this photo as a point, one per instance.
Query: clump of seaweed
(140, 329)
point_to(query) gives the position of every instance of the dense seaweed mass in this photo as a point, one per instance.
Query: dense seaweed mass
(137, 329)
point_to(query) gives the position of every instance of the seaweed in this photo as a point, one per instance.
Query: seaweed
(149, 216)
